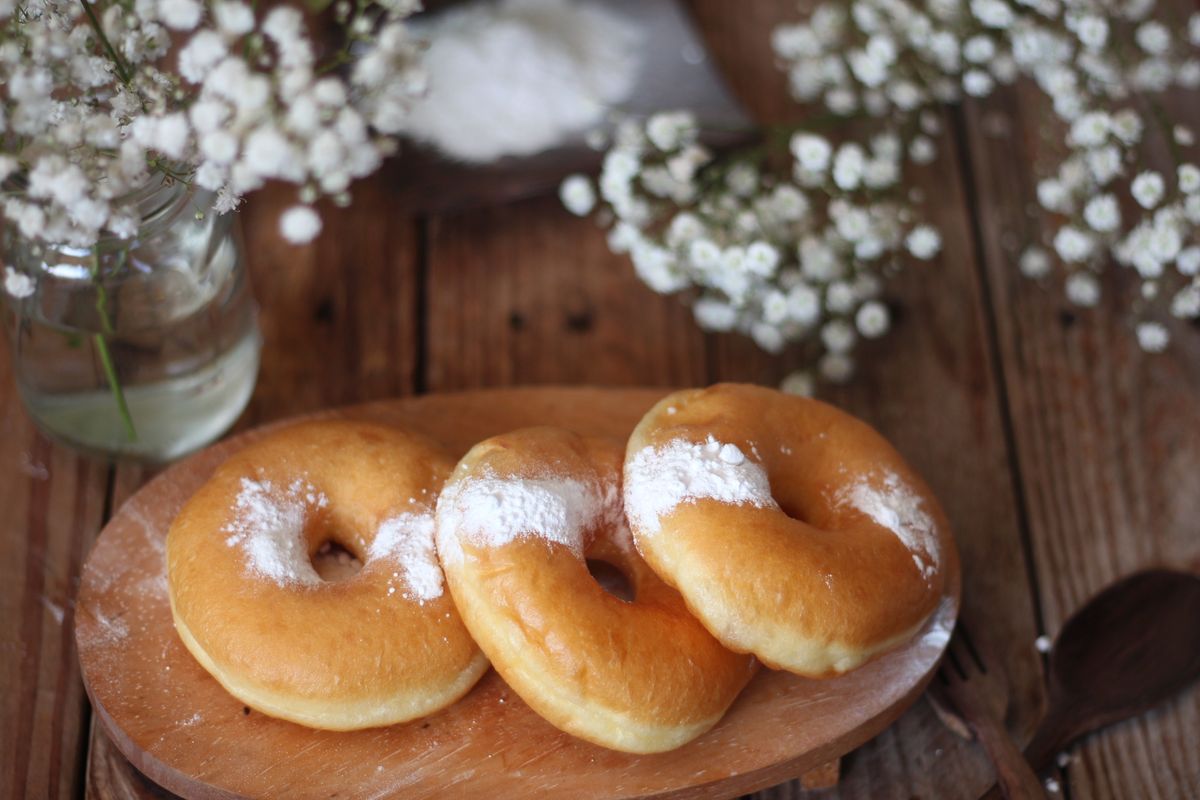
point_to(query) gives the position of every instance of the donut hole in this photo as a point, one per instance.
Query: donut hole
(334, 562)
(612, 579)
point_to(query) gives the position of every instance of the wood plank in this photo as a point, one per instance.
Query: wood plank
(528, 294)
(931, 387)
(52, 502)
(1105, 437)
(339, 316)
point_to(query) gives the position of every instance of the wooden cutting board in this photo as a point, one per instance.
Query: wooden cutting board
(177, 725)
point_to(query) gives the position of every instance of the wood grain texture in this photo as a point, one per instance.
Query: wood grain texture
(528, 294)
(339, 316)
(180, 727)
(1105, 437)
(51, 503)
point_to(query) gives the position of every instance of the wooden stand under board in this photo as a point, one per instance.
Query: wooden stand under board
(177, 725)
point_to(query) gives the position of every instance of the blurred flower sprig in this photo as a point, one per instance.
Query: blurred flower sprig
(98, 98)
(797, 249)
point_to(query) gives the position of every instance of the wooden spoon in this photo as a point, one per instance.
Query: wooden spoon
(1129, 648)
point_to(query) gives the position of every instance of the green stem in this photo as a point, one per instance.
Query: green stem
(100, 340)
(118, 63)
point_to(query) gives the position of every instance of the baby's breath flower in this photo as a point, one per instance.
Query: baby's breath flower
(872, 319)
(1188, 261)
(577, 195)
(18, 285)
(836, 367)
(848, 166)
(300, 224)
(1072, 244)
(1091, 129)
(1153, 337)
(761, 259)
(1188, 176)
(671, 130)
(812, 152)
(1102, 213)
(1054, 196)
(715, 315)
(1035, 263)
(182, 15)
(1153, 37)
(978, 83)
(799, 383)
(1127, 126)
(1092, 31)
(1083, 289)
(923, 242)
(922, 150)
(1104, 163)
(1147, 189)
(1186, 303)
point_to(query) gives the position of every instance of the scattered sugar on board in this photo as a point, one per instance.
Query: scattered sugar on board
(491, 512)
(895, 506)
(659, 479)
(407, 539)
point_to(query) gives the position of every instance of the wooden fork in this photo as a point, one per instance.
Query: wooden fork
(980, 695)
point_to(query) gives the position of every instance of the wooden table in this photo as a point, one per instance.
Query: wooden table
(1064, 456)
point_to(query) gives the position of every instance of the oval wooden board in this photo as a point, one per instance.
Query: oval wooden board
(177, 725)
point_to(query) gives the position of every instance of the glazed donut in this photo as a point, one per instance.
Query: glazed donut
(794, 531)
(514, 525)
(382, 646)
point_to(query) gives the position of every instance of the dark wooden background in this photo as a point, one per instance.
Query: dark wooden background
(1064, 456)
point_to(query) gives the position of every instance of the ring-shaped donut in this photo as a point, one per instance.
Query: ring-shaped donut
(793, 530)
(384, 645)
(514, 525)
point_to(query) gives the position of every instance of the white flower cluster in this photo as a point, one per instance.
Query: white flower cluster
(90, 111)
(890, 59)
(783, 259)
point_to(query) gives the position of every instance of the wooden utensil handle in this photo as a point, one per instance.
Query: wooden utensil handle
(1017, 780)
(1051, 736)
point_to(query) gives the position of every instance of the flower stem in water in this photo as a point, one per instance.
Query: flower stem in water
(100, 341)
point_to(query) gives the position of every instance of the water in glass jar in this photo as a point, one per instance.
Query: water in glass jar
(180, 333)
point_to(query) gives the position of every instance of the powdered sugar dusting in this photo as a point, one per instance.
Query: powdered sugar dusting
(658, 480)
(893, 504)
(268, 525)
(490, 512)
(407, 539)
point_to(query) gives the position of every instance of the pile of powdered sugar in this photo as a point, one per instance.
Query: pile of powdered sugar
(407, 540)
(893, 504)
(659, 479)
(268, 525)
(490, 512)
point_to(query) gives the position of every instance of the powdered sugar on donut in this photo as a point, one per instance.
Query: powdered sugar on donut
(407, 539)
(492, 511)
(893, 504)
(660, 479)
(268, 525)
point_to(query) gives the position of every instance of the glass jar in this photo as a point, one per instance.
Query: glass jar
(146, 348)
